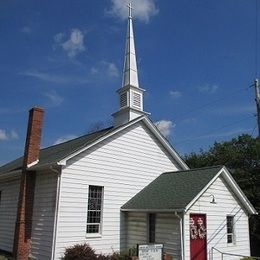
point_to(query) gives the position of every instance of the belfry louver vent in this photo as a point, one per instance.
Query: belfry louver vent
(136, 100)
(123, 100)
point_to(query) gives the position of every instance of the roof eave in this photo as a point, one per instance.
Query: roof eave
(102, 138)
(202, 191)
(38, 167)
(152, 210)
(11, 173)
(238, 192)
(166, 144)
(235, 188)
(153, 129)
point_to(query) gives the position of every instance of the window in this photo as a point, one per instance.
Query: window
(95, 198)
(151, 229)
(230, 229)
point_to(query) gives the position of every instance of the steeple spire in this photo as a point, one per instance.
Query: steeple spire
(130, 94)
(130, 76)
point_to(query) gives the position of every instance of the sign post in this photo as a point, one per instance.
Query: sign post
(150, 252)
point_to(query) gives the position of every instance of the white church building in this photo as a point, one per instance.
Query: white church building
(116, 188)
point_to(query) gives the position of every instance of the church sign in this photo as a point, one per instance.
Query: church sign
(150, 252)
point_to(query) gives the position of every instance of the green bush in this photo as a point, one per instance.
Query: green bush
(85, 252)
(247, 258)
(80, 252)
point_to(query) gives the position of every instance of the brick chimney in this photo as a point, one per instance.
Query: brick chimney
(22, 238)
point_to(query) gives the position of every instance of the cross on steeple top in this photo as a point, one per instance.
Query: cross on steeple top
(130, 8)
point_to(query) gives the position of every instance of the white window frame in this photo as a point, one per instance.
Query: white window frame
(100, 210)
(232, 233)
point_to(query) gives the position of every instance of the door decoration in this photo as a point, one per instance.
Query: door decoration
(198, 237)
(193, 229)
(201, 228)
(197, 228)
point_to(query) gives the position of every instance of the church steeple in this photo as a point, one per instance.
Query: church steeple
(130, 76)
(130, 94)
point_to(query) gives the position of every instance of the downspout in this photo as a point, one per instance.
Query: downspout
(181, 233)
(56, 211)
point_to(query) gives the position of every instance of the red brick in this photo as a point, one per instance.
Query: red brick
(23, 228)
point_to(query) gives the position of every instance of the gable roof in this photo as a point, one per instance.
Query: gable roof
(172, 191)
(57, 152)
(60, 153)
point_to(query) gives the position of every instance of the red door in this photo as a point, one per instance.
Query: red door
(198, 237)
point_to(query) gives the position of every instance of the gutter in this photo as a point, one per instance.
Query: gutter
(152, 210)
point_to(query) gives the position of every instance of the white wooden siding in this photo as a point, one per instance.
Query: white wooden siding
(123, 164)
(167, 232)
(216, 221)
(43, 215)
(136, 229)
(8, 209)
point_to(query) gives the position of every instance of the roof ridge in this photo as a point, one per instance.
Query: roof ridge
(196, 169)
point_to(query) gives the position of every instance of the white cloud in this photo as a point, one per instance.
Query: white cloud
(191, 120)
(165, 127)
(73, 45)
(94, 71)
(143, 10)
(13, 135)
(175, 94)
(59, 37)
(3, 135)
(26, 30)
(64, 139)
(112, 70)
(8, 135)
(207, 88)
(44, 76)
(58, 79)
(53, 98)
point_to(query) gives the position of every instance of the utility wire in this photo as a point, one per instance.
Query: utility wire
(212, 132)
(253, 130)
(180, 118)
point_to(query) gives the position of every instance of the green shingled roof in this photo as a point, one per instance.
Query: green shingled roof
(58, 152)
(172, 190)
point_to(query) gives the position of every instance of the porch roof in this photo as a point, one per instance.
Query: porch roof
(172, 190)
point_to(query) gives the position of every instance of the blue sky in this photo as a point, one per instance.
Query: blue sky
(196, 60)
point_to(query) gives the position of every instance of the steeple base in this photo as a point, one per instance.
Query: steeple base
(127, 114)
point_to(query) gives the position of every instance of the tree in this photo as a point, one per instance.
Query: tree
(241, 156)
